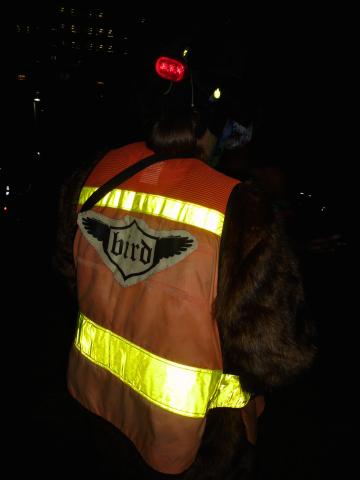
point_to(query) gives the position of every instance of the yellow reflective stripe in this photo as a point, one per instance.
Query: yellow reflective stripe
(177, 388)
(178, 210)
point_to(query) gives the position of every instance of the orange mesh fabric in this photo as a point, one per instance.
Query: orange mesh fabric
(184, 179)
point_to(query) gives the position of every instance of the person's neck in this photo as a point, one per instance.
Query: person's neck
(207, 144)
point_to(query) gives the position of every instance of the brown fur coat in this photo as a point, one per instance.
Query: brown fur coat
(266, 337)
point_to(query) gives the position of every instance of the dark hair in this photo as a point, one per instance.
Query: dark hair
(176, 132)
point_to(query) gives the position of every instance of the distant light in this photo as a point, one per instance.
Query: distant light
(36, 99)
(5, 209)
(170, 69)
(21, 76)
(99, 82)
(185, 52)
(217, 93)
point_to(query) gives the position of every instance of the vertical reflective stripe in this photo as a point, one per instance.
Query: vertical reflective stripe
(170, 208)
(177, 388)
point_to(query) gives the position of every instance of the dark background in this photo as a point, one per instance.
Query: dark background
(290, 69)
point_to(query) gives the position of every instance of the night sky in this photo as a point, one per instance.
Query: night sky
(286, 68)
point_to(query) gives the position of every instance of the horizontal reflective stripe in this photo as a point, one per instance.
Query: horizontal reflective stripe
(177, 388)
(177, 210)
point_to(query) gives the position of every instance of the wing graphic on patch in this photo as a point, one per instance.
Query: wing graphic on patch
(97, 229)
(169, 246)
(131, 249)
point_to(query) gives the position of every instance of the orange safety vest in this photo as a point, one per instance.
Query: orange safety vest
(147, 354)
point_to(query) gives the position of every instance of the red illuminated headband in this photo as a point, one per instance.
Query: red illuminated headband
(170, 69)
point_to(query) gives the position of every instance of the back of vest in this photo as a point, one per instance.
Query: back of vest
(147, 263)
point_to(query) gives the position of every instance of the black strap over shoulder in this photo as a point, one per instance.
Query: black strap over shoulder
(121, 177)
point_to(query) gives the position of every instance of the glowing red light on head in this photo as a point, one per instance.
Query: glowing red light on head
(170, 69)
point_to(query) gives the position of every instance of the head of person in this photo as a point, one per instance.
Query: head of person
(178, 118)
(181, 132)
